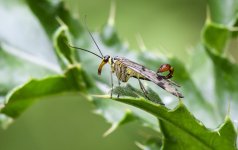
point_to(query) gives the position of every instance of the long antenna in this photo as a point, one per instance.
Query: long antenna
(84, 50)
(92, 36)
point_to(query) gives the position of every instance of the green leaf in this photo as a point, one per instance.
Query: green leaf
(183, 75)
(152, 143)
(21, 98)
(48, 12)
(37, 89)
(219, 29)
(216, 37)
(179, 127)
(128, 114)
(78, 78)
(128, 117)
(65, 54)
(109, 35)
(24, 96)
(18, 20)
(223, 12)
(226, 87)
(14, 61)
(128, 90)
(68, 58)
(182, 131)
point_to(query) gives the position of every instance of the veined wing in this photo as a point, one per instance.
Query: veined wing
(152, 76)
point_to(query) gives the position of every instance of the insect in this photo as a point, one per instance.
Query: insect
(126, 69)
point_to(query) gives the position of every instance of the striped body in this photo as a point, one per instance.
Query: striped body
(123, 72)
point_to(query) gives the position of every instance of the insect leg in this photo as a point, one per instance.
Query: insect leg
(119, 83)
(143, 89)
(111, 83)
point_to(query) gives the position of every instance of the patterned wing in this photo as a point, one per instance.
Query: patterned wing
(166, 84)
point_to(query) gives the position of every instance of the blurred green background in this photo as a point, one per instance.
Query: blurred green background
(69, 123)
(163, 24)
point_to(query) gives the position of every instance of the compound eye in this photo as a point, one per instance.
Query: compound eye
(106, 58)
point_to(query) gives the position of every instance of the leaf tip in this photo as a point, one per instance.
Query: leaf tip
(5, 121)
(101, 96)
(141, 146)
(141, 42)
(111, 129)
(112, 14)
(208, 15)
(61, 22)
(128, 117)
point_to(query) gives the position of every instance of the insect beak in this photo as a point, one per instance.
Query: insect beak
(100, 67)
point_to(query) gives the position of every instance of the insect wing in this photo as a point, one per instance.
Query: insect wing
(166, 84)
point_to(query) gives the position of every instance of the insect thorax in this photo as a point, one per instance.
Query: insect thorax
(123, 72)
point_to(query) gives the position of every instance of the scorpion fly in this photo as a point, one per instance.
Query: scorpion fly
(125, 69)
